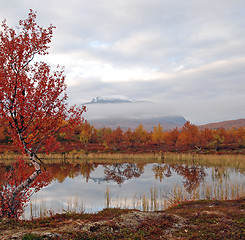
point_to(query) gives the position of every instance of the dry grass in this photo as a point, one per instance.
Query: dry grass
(91, 157)
(232, 160)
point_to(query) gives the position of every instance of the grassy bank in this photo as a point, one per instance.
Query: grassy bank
(233, 160)
(206, 219)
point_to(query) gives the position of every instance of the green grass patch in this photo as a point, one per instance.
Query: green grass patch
(31, 237)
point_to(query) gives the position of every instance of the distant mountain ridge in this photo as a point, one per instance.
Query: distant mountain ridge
(120, 111)
(168, 123)
(225, 124)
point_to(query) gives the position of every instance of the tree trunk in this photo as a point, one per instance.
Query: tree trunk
(14, 201)
(30, 179)
(35, 164)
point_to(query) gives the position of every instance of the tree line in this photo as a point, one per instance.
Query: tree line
(187, 138)
(85, 137)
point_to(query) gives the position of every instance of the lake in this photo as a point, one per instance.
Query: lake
(85, 185)
(90, 187)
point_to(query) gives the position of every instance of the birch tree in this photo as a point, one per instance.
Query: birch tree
(33, 100)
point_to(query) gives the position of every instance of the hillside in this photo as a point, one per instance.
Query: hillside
(225, 124)
(167, 122)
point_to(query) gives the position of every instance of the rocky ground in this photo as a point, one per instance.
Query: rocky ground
(208, 219)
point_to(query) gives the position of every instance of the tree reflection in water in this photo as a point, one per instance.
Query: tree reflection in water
(192, 175)
(86, 169)
(60, 171)
(122, 172)
(119, 173)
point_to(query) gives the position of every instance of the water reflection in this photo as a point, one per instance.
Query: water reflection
(192, 175)
(86, 185)
(60, 171)
(122, 172)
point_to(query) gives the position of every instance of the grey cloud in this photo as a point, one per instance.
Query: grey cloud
(212, 79)
(195, 49)
(141, 32)
(211, 92)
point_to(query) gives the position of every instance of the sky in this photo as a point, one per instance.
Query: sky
(187, 55)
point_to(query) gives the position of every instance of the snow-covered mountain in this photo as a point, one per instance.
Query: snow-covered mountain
(111, 99)
(117, 110)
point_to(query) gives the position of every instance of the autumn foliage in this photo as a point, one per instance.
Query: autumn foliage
(33, 100)
(86, 138)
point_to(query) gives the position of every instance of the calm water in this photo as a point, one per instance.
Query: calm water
(92, 187)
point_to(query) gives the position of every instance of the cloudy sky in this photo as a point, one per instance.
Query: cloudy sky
(188, 54)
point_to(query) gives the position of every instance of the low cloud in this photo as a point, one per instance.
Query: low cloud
(137, 110)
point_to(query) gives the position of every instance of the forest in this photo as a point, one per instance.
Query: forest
(85, 138)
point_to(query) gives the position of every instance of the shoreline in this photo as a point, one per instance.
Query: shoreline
(202, 219)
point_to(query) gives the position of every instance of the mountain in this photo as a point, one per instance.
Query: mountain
(116, 110)
(110, 99)
(167, 122)
(225, 124)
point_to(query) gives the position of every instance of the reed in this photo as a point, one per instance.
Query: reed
(232, 160)
(107, 197)
(72, 206)
(36, 210)
(157, 200)
(236, 161)
(154, 196)
(40, 210)
(80, 155)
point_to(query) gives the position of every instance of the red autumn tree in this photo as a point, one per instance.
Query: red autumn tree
(171, 138)
(33, 102)
(115, 139)
(189, 137)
